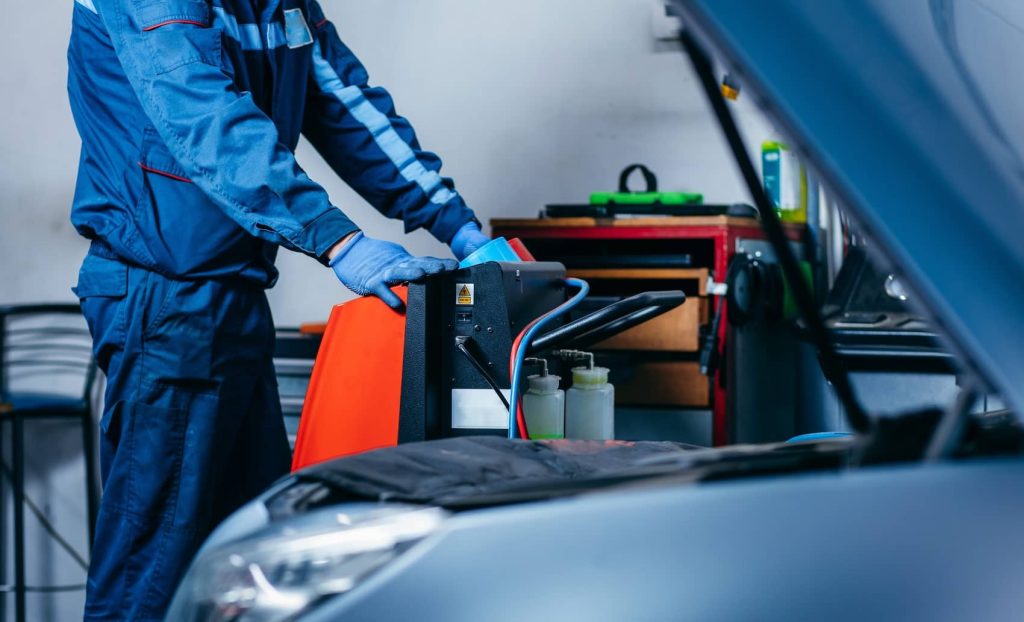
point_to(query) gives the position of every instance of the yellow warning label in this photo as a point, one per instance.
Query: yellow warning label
(464, 294)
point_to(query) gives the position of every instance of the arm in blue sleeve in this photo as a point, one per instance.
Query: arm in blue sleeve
(356, 129)
(226, 144)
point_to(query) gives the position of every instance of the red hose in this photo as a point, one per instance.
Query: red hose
(524, 432)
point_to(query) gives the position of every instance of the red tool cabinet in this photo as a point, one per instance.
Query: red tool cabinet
(709, 241)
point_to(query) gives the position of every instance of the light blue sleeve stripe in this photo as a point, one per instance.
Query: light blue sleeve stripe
(426, 178)
(392, 144)
(377, 123)
(380, 127)
(275, 36)
(89, 5)
(249, 35)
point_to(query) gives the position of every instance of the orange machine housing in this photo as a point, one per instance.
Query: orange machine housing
(354, 396)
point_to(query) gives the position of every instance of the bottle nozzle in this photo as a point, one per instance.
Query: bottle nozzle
(576, 355)
(538, 361)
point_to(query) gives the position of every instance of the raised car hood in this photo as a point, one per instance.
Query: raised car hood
(912, 112)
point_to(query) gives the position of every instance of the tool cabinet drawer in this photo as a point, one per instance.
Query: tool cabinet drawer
(675, 331)
(663, 383)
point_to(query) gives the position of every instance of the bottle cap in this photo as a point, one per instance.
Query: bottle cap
(544, 384)
(589, 378)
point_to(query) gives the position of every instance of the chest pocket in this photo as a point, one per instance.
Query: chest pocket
(178, 33)
(154, 14)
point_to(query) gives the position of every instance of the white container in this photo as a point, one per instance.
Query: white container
(544, 408)
(590, 405)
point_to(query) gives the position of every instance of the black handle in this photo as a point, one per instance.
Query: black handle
(609, 321)
(649, 177)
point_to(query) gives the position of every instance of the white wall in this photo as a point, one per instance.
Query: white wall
(535, 102)
(528, 102)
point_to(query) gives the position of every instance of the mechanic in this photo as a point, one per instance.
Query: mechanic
(189, 113)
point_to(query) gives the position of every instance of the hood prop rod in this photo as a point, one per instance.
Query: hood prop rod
(776, 234)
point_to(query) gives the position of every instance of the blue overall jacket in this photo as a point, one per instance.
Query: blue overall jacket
(190, 111)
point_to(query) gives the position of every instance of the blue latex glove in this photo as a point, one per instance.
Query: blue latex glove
(468, 240)
(370, 267)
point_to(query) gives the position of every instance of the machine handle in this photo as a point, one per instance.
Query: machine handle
(607, 322)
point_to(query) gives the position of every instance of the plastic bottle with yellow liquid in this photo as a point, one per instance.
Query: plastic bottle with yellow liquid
(785, 181)
(590, 405)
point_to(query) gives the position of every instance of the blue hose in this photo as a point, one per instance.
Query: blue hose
(517, 366)
(819, 436)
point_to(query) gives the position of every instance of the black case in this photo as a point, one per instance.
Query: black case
(506, 297)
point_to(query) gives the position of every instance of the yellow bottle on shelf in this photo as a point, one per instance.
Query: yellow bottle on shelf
(785, 181)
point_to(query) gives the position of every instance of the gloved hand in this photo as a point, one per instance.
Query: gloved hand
(368, 266)
(468, 240)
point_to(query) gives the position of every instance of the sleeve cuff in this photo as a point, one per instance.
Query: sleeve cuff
(322, 234)
(452, 217)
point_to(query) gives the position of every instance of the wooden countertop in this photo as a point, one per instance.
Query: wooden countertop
(641, 221)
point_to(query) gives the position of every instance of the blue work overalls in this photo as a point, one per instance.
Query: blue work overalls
(189, 112)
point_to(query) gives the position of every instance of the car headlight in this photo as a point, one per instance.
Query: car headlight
(287, 568)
